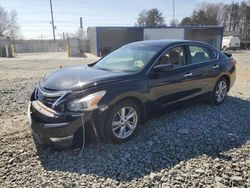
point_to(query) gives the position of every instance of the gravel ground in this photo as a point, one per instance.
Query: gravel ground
(197, 146)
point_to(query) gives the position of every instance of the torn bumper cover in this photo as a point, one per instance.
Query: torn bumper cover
(50, 127)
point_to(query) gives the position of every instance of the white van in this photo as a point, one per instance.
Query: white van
(230, 42)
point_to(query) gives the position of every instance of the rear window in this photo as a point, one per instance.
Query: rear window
(213, 54)
(199, 54)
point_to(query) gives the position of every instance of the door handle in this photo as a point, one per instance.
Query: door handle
(216, 66)
(188, 74)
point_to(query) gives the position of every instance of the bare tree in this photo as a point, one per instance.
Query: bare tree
(141, 21)
(152, 17)
(245, 19)
(236, 17)
(80, 34)
(8, 22)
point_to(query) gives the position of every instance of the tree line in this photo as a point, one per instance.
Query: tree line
(234, 17)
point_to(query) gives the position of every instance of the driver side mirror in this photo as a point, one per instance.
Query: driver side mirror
(163, 67)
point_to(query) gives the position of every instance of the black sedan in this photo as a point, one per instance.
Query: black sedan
(116, 94)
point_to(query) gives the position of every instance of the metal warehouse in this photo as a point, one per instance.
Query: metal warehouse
(106, 39)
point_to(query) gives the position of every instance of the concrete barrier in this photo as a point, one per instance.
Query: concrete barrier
(7, 49)
(28, 46)
(77, 47)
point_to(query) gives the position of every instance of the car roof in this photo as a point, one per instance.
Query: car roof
(165, 42)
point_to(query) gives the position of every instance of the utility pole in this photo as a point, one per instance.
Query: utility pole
(80, 36)
(81, 23)
(81, 32)
(173, 10)
(52, 21)
(174, 13)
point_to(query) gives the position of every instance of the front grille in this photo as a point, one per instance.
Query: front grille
(49, 98)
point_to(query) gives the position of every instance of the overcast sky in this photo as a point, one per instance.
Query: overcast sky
(34, 15)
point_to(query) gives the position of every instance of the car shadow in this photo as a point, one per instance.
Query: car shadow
(161, 143)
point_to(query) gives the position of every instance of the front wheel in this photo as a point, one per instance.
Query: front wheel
(220, 91)
(122, 121)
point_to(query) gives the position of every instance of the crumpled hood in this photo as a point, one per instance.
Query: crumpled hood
(79, 78)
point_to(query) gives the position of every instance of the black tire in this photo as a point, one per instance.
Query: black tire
(215, 99)
(224, 48)
(110, 135)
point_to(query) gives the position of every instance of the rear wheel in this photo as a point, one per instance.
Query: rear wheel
(220, 91)
(122, 121)
(224, 48)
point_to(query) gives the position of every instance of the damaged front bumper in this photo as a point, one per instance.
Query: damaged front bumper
(52, 128)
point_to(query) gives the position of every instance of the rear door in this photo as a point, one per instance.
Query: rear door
(205, 66)
(170, 86)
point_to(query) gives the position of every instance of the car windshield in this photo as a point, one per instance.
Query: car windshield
(129, 58)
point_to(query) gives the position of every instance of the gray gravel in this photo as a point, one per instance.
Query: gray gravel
(196, 146)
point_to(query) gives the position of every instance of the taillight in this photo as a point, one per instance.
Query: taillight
(233, 61)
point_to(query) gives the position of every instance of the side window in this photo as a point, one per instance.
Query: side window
(173, 56)
(199, 54)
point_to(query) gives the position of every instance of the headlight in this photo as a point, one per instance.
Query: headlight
(86, 103)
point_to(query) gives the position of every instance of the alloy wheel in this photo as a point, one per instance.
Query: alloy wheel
(221, 91)
(124, 122)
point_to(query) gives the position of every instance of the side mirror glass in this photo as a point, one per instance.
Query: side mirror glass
(163, 67)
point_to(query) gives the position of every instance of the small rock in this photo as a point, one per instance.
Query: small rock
(11, 160)
(181, 163)
(109, 181)
(206, 165)
(183, 131)
(155, 176)
(236, 178)
(111, 156)
(179, 178)
(218, 179)
(127, 155)
(220, 185)
(165, 185)
(199, 170)
(217, 165)
(150, 143)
